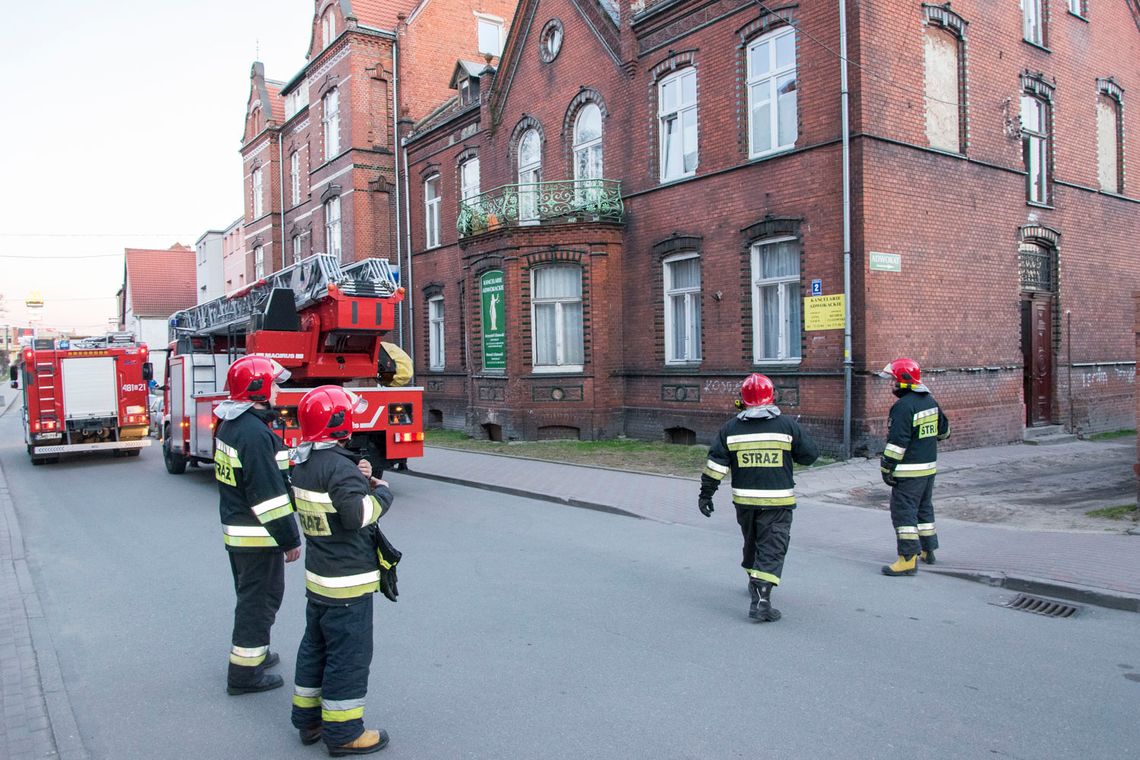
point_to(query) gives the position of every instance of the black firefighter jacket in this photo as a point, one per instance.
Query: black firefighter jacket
(917, 424)
(337, 510)
(251, 466)
(757, 448)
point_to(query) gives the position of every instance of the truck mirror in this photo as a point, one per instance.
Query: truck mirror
(147, 371)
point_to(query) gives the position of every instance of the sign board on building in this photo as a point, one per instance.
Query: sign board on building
(494, 320)
(885, 262)
(817, 287)
(824, 312)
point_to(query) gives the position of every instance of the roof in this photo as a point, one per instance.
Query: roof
(160, 282)
(380, 14)
(467, 69)
(276, 100)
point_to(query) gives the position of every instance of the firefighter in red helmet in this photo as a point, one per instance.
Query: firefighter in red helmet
(346, 562)
(757, 448)
(909, 463)
(251, 467)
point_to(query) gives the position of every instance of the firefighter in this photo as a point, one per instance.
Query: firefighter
(908, 465)
(251, 466)
(347, 561)
(757, 448)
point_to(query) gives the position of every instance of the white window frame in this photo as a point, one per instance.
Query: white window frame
(258, 194)
(296, 249)
(437, 358)
(1076, 7)
(663, 118)
(1033, 21)
(1038, 143)
(529, 174)
(295, 177)
(585, 191)
(769, 81)
(258, 262)
(330, 118)
(328, 28)
(560, 337)
(784, 341)
(691, 296)
(1116, 154)
(469, 178)
(483, 23)
(333, 241)
(431, 211)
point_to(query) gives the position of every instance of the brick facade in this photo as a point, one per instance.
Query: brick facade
(956, 221)
(357, 172)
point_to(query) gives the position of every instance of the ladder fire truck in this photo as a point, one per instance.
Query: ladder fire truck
(84, 395)
(323, 322)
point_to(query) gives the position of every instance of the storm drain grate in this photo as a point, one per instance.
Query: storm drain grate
(1041, 606)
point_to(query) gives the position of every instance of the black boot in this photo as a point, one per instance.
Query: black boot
(761, 609)
(265, 683)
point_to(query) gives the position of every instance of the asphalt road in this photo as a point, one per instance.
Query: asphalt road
(531, 630)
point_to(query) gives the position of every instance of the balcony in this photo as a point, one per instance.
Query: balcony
(567, 201)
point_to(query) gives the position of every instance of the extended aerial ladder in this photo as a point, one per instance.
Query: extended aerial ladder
(322, 321)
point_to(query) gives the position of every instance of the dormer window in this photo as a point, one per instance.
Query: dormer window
(328, 27)
(468, 91)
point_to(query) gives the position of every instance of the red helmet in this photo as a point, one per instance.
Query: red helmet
(757, 390)
(905, 372)
(326, 413)
(251, 378)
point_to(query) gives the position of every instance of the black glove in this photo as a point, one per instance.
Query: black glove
(388, 583)
(888, 473)
(387, 557)
(704, 503)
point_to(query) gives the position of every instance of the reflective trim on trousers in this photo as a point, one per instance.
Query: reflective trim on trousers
(341, 710)
(762, 576)
(248, 657)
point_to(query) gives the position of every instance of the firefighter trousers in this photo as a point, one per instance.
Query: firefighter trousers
(766, 535)
(912, 513)
(331, 680)
(259, 581)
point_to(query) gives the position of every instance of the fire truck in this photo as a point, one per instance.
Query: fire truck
(84, 395)
(322, 321)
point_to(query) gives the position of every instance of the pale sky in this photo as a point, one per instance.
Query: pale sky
(122, 130)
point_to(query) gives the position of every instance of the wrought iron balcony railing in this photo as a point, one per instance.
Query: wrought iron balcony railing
(582, 200)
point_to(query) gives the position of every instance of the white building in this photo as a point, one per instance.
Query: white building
(210, 271)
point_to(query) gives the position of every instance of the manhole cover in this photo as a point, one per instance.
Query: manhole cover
(1041, 606)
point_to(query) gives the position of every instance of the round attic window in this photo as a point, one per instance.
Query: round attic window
(550, 41)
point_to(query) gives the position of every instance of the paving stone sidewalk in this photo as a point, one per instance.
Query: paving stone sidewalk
(1084, 566)
(36, 720)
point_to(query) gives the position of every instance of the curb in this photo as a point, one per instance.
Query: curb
(61, 717)
(1068, 592)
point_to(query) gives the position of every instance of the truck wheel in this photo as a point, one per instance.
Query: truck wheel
(134, 452)
(174, 461)
(37, 461)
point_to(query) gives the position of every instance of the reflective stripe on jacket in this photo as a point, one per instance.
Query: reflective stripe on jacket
(757, 454)
(916, 425)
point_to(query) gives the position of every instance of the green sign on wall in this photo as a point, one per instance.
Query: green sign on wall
(494, 320)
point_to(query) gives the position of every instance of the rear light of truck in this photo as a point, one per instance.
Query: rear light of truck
(407, 437)
(137, 419)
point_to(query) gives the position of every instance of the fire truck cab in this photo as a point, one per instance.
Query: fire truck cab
(322, 321)
(84, 395)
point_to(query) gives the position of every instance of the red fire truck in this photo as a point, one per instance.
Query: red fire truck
(84, 395)
(322, 321)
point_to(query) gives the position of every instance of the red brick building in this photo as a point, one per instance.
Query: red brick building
(320, 151)
(649, 201)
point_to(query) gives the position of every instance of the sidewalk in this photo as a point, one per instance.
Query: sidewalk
(36, 720)
(1095, 568)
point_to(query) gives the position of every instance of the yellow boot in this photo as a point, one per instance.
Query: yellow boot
(902, 566)
(372, 740)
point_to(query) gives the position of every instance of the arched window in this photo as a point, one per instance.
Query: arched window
(530, 174)
(328, 28)
(588, 153)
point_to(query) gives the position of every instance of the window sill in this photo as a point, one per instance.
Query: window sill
(1037, 45)
(779, 363)
(1079, 16)
(771, 153)
(564, 369)
(1038, 204)
(675, 180)
(682, 363)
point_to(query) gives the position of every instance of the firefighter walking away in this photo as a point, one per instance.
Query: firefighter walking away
(251, 467)
(757, 448)
(909, 463)
(347, 560)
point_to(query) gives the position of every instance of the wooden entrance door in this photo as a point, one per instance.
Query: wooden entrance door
(1037, 353)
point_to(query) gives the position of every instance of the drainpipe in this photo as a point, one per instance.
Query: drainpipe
(396, 155)
(408, 243)
(280, 193)
(847, 363)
